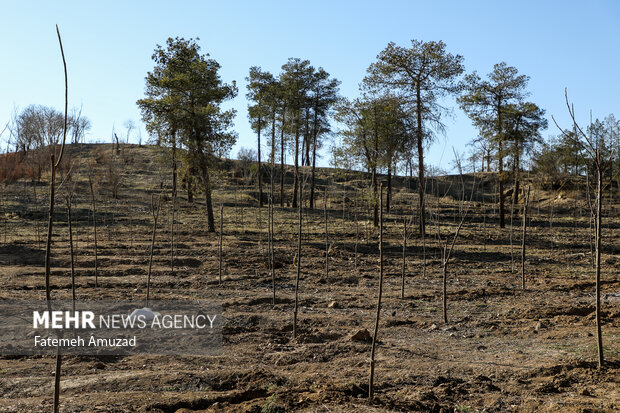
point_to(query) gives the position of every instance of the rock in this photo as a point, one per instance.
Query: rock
(333, 304)
(539, 326)
(433, 327)
(137, 290)
(362, 335)
(144, 313)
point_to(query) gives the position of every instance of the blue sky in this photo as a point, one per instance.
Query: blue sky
(108, 46)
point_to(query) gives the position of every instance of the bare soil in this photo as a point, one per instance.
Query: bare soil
(504, 349)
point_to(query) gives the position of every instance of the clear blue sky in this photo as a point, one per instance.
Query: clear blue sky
(108, 46)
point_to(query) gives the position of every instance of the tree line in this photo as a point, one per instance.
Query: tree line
(386, 129)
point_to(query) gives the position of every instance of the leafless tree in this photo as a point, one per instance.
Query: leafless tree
(326, 235)
(130, 125)
(55, 160)
(91, 185)
(371, 382)
(593, 149)
(155, 212)
(526, 201)
(220, 257)
(448, 249)
(298, 274)
(78, 125)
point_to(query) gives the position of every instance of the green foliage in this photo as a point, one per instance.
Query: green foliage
(183, 97)
(376, 132)
(487, 101)
(421, 75)
(182, 108)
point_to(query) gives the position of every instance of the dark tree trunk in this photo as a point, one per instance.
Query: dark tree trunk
(220, 256)
(298, 274)
(296, 181)
(260, 169)
(174, 199)
(207, 188)
(500, 173)
(599, 221)
(374, 197)
(189, 183)
(155, 213)
(92, 194)
(314, 142)
(420, 139)
(307, 141)
(371, 386)
(526, 200)
(282, 175)
(326, 236)
(517, 172)
(389, 191)
(404, 264)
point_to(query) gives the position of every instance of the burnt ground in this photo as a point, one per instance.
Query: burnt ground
(504, 348)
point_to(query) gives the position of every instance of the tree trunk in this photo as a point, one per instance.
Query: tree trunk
(389, 190)
(155, 213)
(326, 236)
(48, 244)
(599, 221)
(92, 195)
(298, 275)
(371, 387)
(307, 142)
(500, 174)
(71, 250)
(526, 201)
(314, 142)
(517, 179)
(271, 204)
(402, 284)
(296, 182)
(189, 182)
(445, 289)
(220, 242)
(174, 200)
(207, 189)
(357, 233)
(420, 137)
(282, 176)
(374, 197)
(260, 169)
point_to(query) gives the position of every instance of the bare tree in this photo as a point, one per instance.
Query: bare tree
(220, 257)
(130, 125)
(326, 236)
(94, 206)
(526, 201)
(371, 383)
(54, 162)
(447, 250)
(298, 275)
(78, 125)
(155, 212)
(593, 149)
(404, 263)
(357, 235)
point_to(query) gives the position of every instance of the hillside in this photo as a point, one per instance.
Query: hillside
(503, 349)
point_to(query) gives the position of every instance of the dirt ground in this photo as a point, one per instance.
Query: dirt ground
(504, 349)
